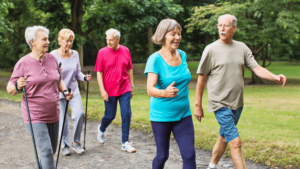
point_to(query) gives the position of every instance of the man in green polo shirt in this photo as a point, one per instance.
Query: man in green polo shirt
(222, 66)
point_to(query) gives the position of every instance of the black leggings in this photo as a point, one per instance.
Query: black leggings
(183, 132)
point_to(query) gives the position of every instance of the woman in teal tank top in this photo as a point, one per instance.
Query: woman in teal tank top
(167, 84)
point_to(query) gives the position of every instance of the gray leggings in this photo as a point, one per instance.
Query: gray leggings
(77, 116)
(45, 135)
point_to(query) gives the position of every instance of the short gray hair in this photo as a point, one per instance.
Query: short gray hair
(117, 33)
(233, 19)
(165, 26)
(30, 33)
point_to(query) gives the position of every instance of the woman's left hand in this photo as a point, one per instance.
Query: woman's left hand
(68, 95)
(88, 77)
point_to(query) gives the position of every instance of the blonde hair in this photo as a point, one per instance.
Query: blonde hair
(65, 34)
(30, 33)
(165, 26)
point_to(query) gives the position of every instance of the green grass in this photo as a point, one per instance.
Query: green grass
(269, 125)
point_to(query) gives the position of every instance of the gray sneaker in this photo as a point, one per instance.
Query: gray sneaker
(77, 147)
(100, 136)
(65, 151)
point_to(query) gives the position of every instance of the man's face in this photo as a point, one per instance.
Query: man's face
(226, 30)
(112, 42)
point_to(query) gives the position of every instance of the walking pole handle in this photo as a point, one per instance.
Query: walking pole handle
(59, 65)
(88, 72)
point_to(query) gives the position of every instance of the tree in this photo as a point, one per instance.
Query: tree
(260, 23)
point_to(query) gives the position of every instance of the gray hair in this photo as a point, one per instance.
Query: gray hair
(165, 26)
(117, 33)
(233, 19)
(30, 33)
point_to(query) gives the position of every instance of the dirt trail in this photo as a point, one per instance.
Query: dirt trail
(17, 151)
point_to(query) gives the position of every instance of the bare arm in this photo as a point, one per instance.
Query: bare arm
(62, 87)
(103, 92)
(130, 72)
(170, 91)
(198, 113)
(21, 83)
(265, 74)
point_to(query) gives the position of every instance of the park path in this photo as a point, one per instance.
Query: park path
(17, 151)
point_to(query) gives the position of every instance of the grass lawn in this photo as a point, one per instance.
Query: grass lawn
(269, 125)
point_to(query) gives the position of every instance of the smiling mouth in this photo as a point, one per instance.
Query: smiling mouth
(223, 33)
(176, 43)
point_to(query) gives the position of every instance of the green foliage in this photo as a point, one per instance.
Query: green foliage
(259, 22)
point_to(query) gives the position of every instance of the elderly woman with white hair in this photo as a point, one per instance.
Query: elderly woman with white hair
(39, 73)
(167, 84)
(71, 72)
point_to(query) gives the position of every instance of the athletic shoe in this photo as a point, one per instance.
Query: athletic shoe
(128, 147)
(77, 147)
(65, 151)
(100, 136)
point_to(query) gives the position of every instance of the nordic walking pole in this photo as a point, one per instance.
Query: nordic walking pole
(62, 130)
(86, 103)
(31, 130)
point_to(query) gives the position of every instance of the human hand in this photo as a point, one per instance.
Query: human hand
(88, 77)
(198, 113)
(132, 92)
(280, 79)
(104, 95)
(171, 91)
(21, 82)
(68, 95)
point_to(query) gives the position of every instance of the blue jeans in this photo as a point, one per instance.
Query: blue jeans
(228, 120)
(111, 110)
(183, 132)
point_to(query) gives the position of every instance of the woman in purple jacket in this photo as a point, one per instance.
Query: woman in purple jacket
(71, 72)
(39, 73)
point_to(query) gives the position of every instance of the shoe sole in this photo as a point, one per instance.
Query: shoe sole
(129, 151)
(66, 154)
(78, 152)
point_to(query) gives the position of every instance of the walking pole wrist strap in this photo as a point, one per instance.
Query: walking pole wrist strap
(16, 88)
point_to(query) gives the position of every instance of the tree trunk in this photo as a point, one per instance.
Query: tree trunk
(150, 43)
(80, 52)
(255, 79)
(265, 57)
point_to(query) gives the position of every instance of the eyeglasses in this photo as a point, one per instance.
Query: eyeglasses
(225, 25)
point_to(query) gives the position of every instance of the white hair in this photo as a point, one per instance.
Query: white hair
(30, 33)
(117, 33)
(233, 19)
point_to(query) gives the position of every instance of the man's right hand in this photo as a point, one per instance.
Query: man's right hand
(198, 113)
(104, 95)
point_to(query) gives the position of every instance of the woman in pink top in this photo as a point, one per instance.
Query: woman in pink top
(39, 73)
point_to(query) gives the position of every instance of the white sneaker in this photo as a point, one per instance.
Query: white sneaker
(100, 137)
(128, 147)
(77, 147)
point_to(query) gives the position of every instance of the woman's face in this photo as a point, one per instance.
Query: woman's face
(66, 44)
(41, 43)
(173, 38)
